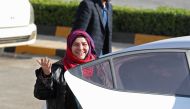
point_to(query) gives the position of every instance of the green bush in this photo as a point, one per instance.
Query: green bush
(161, 21)
(48, 12)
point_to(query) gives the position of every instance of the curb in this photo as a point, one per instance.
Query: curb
(27, 49)
(145, 38)
(57, 31)
(121, 37)
(63, 31)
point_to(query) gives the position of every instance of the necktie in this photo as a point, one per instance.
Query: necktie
(105, 17)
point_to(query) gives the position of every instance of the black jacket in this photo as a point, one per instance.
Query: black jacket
(54, 89)
(89, 17)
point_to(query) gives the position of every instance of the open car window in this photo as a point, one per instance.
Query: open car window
(156, 72)
(98, 73)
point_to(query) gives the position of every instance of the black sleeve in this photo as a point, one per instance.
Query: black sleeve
(44, 86)
(82, 17)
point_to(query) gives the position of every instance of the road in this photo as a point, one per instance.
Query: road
(17, 81)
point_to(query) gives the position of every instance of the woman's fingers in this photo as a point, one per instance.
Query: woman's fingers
(42, 61)
(38, 61)
(49, 63)
(45, 64)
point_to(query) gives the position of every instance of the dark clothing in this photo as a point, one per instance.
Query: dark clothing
(54, 89)
(89, 17)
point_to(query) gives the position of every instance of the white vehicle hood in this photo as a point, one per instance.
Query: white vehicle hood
(14, 13)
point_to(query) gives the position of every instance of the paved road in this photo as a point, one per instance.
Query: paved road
(17, 82)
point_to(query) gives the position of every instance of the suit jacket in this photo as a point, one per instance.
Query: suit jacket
(89, 18)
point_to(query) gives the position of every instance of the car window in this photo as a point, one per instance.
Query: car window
(97, 73)
(156, 72)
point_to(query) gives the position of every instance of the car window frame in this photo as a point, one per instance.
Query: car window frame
(185, 51)
(97, 61)
(111, 57)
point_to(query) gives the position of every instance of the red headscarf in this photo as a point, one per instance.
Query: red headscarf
(69, 59)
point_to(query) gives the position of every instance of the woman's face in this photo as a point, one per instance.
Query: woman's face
(80, 47)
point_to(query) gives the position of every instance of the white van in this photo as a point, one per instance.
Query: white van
(16, 23)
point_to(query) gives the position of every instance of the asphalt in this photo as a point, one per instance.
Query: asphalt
(53, 46)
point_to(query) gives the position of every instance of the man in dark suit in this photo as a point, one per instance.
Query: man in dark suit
(95, 17)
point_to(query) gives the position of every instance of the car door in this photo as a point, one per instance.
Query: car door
(159, 77)
(93, 90)
(139, 80)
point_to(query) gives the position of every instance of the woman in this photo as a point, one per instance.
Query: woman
(50, 84)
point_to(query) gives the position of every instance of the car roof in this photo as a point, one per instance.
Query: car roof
(182, 42)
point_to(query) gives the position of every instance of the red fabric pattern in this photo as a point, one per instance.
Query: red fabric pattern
(88, 72)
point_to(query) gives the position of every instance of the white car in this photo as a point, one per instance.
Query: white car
(16, 23)
(155, 75)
